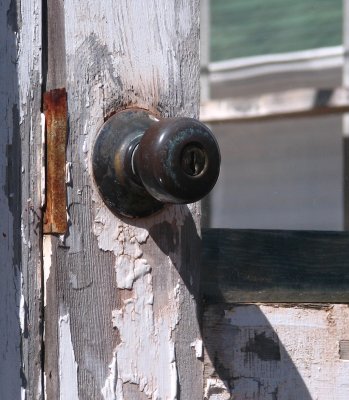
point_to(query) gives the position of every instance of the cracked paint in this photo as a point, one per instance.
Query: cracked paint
(109, 388)
(145, 355)
(68, 367)
(47, 261)
(275, 351)
(215, 389)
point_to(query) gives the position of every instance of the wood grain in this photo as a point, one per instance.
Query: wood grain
(32, 180)
(121, 290)
(274, 351)
(20, 200)
(275, 266)
(54, 81)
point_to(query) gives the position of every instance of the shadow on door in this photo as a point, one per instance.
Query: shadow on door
(242, 349)
(245, 352)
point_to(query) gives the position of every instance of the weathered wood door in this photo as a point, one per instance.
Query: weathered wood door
(98, 307)
(105, 308)
(120, 311)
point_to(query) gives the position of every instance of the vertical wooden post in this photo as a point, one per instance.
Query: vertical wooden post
(345, 123)
(205, 84)
(122, 294)
(20, 200)
(205, 49)
(32, 179)
(10, 246)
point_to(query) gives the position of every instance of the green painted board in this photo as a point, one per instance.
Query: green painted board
(275, 266)
(241, 28)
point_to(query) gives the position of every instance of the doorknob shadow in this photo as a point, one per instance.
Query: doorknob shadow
(244, 356)
(178, 240)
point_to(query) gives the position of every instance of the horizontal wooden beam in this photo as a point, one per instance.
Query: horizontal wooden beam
(306, 102)
(269, 64)
(275, 266)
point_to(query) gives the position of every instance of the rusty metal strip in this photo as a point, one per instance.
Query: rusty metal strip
(55, 110)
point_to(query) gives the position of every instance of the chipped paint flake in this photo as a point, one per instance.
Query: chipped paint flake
(68, 168)
(23, 234)
(144, 336)
(22, 308)
(109, 388)
(129, 270)
(216, 390)
(68, 367)
(198, 346)
(43, 162)
(47, 261)
(285, 351)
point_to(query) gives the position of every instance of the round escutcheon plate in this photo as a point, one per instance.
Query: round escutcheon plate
(113, 171)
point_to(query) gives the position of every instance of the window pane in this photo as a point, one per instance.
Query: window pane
(241, 28)
(284, 174)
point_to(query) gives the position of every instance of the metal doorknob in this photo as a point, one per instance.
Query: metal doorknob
(141, 162)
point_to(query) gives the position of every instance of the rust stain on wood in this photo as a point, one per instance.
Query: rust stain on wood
(55, 110)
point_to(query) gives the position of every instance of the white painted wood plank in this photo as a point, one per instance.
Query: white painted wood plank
(129, 287)
(29, 14)
(268, 64)
(276, 352)
(305, 102)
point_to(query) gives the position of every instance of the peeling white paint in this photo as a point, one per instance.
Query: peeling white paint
(22, 321)
(215, 389)
(43, 161)
(129, 270)
(68, 167)
(306, 340)
(146, 354)
(29, 58)
(85, 149)
(47, 261)
(25, 96)
(198, 346)
(109, 389)
(23, 230)
(22, 308)
(68, 367)
(45, 387)
(146, 317)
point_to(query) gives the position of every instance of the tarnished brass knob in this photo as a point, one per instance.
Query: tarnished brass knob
(140, 162)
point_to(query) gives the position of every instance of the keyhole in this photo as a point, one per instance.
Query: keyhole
(193, 160)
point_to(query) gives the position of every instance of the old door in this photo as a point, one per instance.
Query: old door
(101, 307)
(120, 294)
(97, 307)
